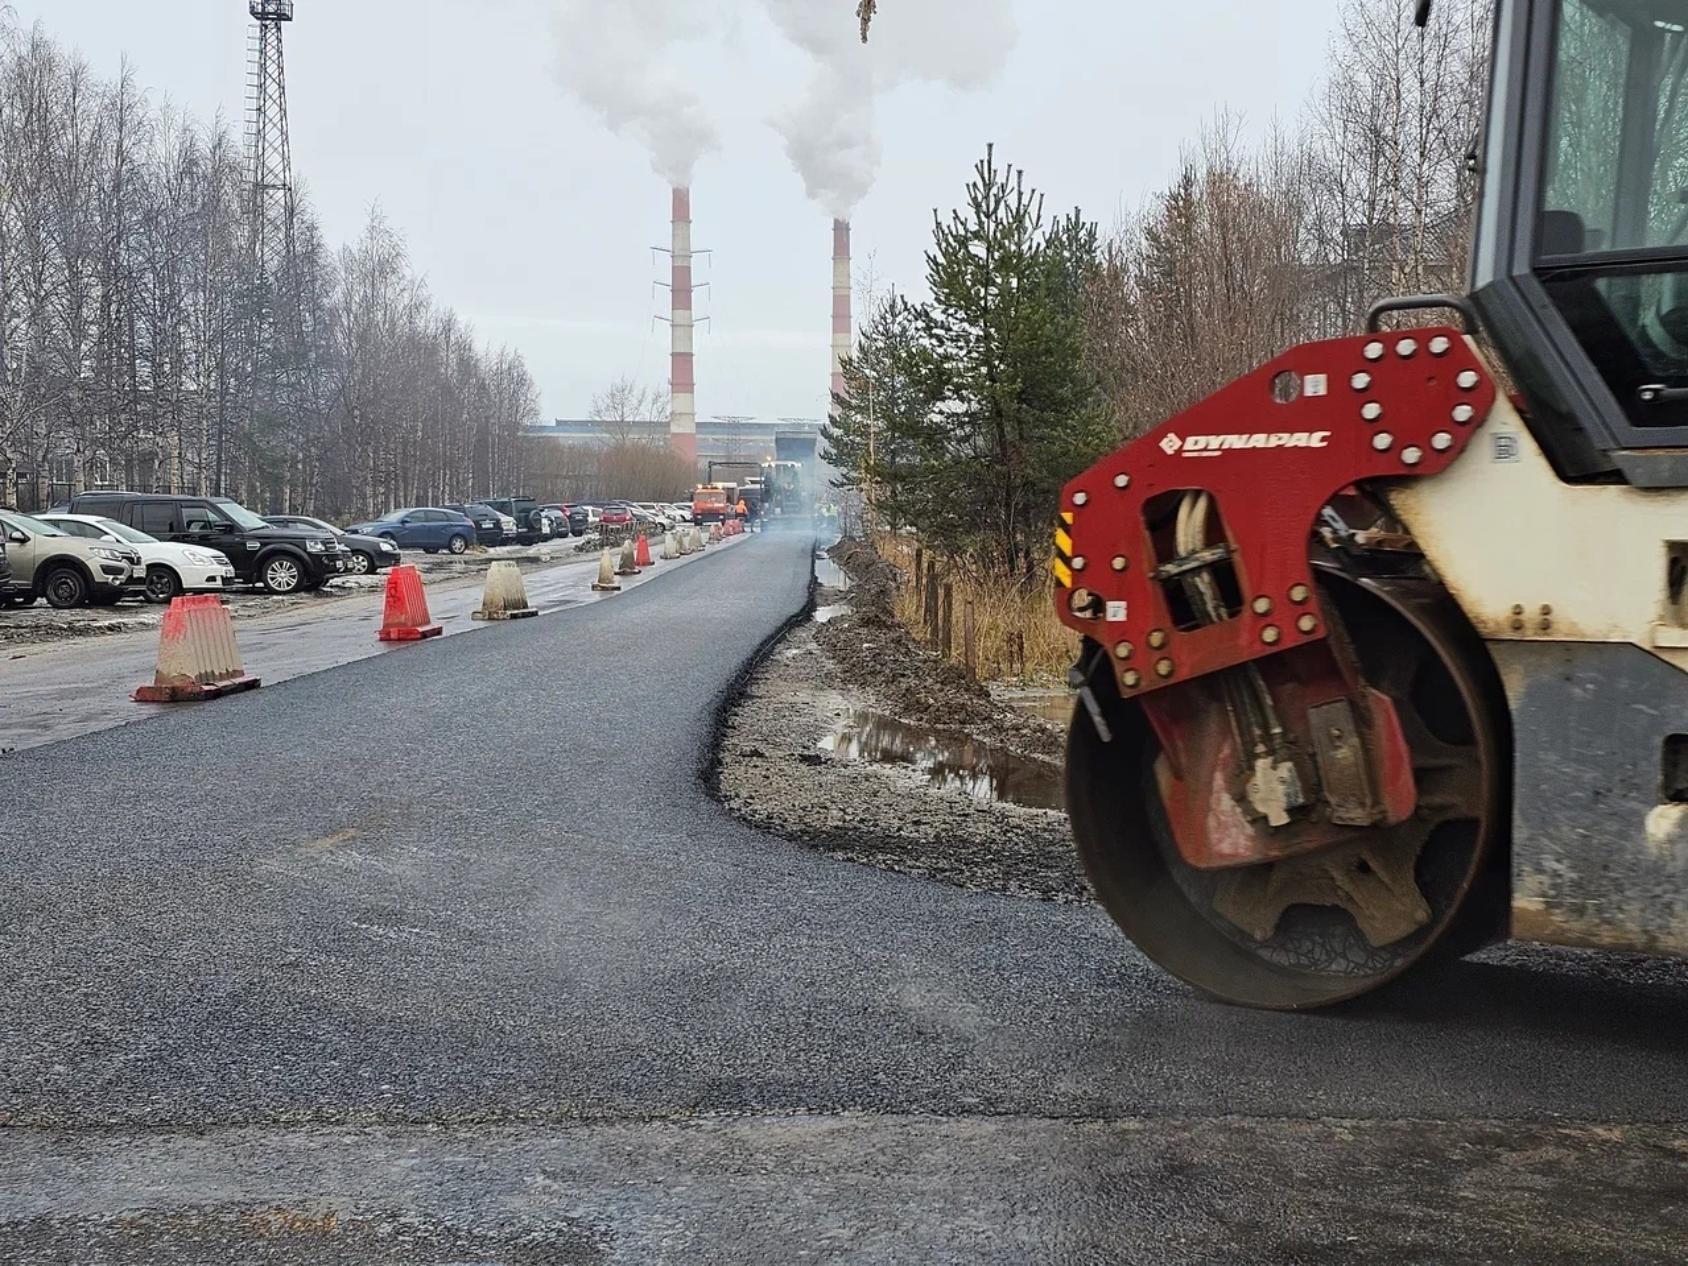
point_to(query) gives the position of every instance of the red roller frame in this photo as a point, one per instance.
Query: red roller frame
(1270, 468)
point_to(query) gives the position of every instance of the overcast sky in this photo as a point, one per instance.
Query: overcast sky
(535, 222)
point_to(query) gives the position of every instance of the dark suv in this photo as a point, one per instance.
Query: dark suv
(281, 559)
(488, 530)
(578, 519)
(531, 527)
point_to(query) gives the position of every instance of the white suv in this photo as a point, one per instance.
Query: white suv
(69, 571)
(171, 568)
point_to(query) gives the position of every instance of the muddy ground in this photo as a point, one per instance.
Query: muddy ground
(776, 769)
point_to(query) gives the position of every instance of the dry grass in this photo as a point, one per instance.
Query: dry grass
(1002, 607)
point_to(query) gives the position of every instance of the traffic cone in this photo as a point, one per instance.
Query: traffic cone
(670, 546)
(715, 534)
(197, 655)
(606, 582)
(627, 566)
(642, 553)
(405, 617)
(506, 595)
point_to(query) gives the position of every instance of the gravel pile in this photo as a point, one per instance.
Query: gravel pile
(775, 773)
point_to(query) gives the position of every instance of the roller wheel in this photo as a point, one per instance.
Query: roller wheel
(1293, 934)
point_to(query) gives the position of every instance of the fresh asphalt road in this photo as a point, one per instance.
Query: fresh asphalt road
(54, 691)
(467, 998)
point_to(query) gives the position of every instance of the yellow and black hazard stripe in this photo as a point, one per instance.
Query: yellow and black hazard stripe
(1062, 563)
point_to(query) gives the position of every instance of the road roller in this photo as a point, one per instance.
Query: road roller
(1384, 646)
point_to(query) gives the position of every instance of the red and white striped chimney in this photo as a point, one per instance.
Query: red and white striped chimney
(682, 385)
(841, 332)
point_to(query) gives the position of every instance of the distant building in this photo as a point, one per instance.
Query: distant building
(720, 438)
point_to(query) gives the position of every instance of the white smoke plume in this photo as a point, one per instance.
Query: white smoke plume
(624, 59)
(832, 135)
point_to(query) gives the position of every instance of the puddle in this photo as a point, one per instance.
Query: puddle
(830, 573)
(1047, 705)
(981, 770)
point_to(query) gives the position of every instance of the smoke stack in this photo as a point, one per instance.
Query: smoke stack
(682, 386)
(841, 332)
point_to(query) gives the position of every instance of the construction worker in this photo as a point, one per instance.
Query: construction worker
(742, 510)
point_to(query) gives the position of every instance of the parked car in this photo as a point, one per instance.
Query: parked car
(615, 515)
(427, 528)
(531, 527)
(167, 568)
(365, 555)
(491, 527)
(5, 571)
(66, 570)
(282, 560)
(556, 520)
(577, 517)
(682, 513)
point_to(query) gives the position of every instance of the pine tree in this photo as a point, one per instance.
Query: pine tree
(1017, 406)
(881, 428)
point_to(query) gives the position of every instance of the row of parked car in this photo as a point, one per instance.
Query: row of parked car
(512, 520)
(104, 546)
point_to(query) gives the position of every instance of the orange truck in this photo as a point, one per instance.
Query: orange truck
(711, 503)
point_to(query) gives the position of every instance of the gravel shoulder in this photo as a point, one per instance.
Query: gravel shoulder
(776, 770)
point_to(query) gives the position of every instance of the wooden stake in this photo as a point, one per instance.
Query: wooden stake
(969, 643)
(948, 619)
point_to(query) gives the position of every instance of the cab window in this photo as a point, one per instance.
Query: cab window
(1612, 242)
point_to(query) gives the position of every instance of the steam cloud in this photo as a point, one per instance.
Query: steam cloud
(625, 59)
(619, 57)
(832, 135)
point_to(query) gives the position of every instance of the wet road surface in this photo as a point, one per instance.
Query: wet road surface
(55, 691)
(459, 999)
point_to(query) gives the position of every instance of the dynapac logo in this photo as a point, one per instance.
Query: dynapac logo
(1213, 445)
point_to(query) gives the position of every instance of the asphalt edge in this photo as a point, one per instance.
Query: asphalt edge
(709, 771)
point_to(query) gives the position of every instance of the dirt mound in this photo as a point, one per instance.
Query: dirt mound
(873, 649)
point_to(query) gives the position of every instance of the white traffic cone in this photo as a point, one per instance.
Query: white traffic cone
(606, 582)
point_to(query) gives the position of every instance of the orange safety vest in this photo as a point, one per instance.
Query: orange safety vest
(742, 509)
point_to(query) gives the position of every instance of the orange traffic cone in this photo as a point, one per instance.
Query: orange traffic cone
(197, 655)
(405, 617)
(642, 554)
